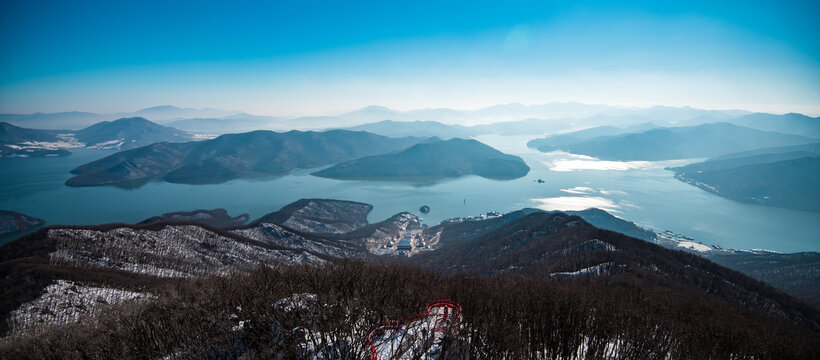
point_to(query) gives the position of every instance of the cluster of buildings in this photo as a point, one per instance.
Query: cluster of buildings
(485, 216)
(407, 242)
(409, 239)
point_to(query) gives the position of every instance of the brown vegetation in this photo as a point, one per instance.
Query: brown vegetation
(504, 317)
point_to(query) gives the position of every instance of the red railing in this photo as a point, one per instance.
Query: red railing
(446, 321)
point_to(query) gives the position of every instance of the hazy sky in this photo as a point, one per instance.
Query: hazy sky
(312, 57)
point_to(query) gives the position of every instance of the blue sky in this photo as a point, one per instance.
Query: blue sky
(313, 57)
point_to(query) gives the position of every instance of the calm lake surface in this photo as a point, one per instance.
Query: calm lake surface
(642, 192)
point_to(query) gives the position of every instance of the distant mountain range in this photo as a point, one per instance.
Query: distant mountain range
(129, 133)
(76, 120)
(434, 159)
(125, 133)
(784, 176)
(169, 112)
(417, 128)
(607, 123)
(233, 155)
(447, 131)
(231, 124)
(797, 124)
(707, 140)
(556, 142)
(506, 119)
(521, 118)
(53, 121)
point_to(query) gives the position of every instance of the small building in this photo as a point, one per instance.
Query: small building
(405, 245)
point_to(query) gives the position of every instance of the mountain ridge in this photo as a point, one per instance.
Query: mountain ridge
(786, 180)
(233, 155)
(707, 140)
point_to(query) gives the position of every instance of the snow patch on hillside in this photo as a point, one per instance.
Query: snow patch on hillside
(691, 245)
(173, 251)
(108, 145)
(599, 269)
(65, 302)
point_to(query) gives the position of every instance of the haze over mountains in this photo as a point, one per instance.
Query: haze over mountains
(125, 133)
(687, 142)
(222, 121)
(508, 119)
(791, 123)
(555, 142)
(417, 128)
(75, 120)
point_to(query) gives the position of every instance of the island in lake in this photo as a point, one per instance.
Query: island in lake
(436, 159)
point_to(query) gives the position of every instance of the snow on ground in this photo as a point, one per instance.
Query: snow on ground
(691, 245)
(599, 269)
(108, 145)
(67, 143)
(275, 234)
(419, 337)
(65, 302)
(173, 251)
(765, 251)
(610, 351)
(198, 137)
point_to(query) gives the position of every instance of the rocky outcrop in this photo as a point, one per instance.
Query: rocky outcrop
(321, 216)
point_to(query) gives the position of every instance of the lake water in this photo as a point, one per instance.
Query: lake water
(642, 192)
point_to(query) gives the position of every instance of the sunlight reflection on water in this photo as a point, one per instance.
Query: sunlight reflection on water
(562, 162)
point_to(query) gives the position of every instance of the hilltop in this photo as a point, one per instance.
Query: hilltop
(436, 159)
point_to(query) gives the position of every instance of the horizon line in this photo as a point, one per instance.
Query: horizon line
(630, 106)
